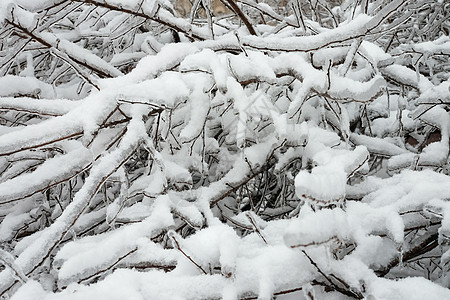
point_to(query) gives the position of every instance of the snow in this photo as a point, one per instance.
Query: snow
(36, 5)
(31, 290)
(124, 58)
(407, 288)
(345, 88)
(407, 76)
(323, 185)
(48, 174)
(250, 66)
(305, 43)
(11, 223)
(382, 126)
(15, 11)
(269, 265)
(5, 8)
(317, 228)
(137, 166)
(374, 52)
(167, 89)
(80, 54)
(199, 107)
(133, 4)
(377, 145)
(54, 107)
(211, 62)
(39, 248)
(440, 45)
(15, 85)
(326, 183)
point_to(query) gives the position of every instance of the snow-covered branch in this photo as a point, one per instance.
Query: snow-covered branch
(267, 150)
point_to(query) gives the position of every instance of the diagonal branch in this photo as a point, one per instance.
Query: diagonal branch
(331, 284)
(240, 14)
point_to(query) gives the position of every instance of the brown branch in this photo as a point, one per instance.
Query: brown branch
(177, 245)
(255, 227)
(240, 14)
